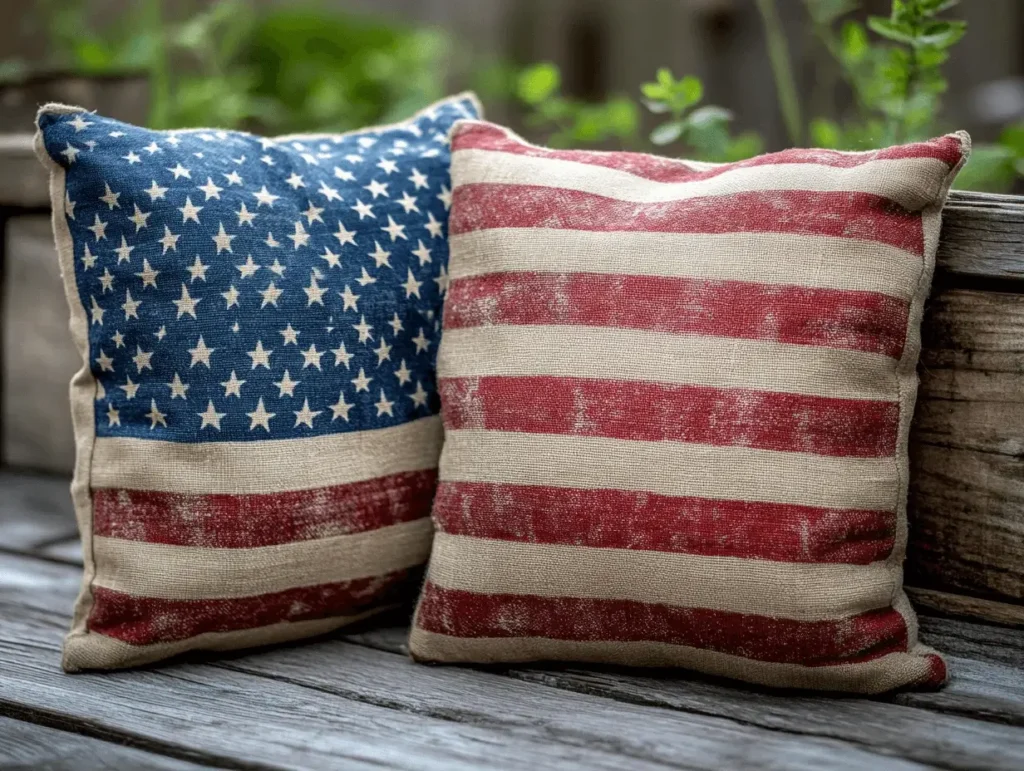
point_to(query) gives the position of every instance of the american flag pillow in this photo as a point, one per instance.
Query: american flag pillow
(676, 400)
(256, 417)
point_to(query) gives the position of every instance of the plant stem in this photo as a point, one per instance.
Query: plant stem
(782, 71)
(159, 68)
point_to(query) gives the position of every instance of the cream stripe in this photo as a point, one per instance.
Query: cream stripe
(670, 468)
(97, 651)
(910, 182)
(876, 676)
(628, 354)
(798, 591)
(266, 467)
(193, 573)
(767, 258)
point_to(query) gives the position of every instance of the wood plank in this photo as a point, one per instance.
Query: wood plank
(26, 745)
(967, 451)
(365, 706)
(962, 605)
(981, 236)
(887, 728)
(541, 725)
(38, 355)
(34, 510)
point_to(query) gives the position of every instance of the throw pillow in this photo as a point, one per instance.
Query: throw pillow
(676, 399)
(255, 419)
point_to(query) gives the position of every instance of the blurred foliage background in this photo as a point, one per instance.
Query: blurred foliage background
(312, 66)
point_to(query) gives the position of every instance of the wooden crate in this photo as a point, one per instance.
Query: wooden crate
(966, 549)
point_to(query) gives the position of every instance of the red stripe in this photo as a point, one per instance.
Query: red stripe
(486, 136)
(247, 521)
(862, 216)
(622, 519)
(147, 620)
(816, 643)
(831, 318)
(658, 412)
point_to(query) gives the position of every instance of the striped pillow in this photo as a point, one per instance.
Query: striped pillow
(676, 399)
(255, 418)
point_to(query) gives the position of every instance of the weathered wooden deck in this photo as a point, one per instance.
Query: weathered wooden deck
(356, 701)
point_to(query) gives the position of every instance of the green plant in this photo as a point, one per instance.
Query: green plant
(572, 121)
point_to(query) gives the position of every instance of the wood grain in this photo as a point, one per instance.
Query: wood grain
(329, 704)
(967, 451)
(26, 745)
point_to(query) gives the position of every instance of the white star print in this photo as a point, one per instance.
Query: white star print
(155, 192)
(142, 359)
(211, 417)
(344, 175)
(88, 258)
(383, 352)
(421, 342)
(419, 396)
(396, 324)
(79, 123)
(129, 388)
(189, 212)
(350, 300)
(300, 237)
(344, 235)
(107, 281)
(248, 268)
(364, 330)
(312, 214)
(411, 286)
(233, 386)
(422, 252)
(365, 278)
(178, 389)
(130, 307)
(223, 240)
(364, 210)
(418, 180)
(395, 230)
(197, 270)
(170, 240)
(384, 406)
(245, 217)
(201, 354)
(99, 228)
(305, 416)
(231, 296)
(264, 196)
(106, 363)
(340, 408)
(445, 197)
(123, 252)
(109, 197)
(152, 147)
(260, 417)
(314, 292)
(155, 416)
(295, 181)
(380, 256)
(113, 416)
(328, 192)
(132, 158)
(187, 303)
(433, 226)
(377, 188)
(408, 203)
(233, 178)
(362, 382)
(140, 218)
(331, 257)
(148, 275)
(71, 153)
(260, 356)
(96, 312)
(271, 295)
(311, 357)
(387, 165)
(286, 386)
(341, 356)
(403, 374)
(180, 171)
(69, 206)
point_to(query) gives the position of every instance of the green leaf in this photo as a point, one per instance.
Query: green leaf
(622, 117)
(655, 91)
(709, 114)
(665, 78)
(941, 34)
(746, 145)
(538, 82)
(854, 41)
(825, 133)
(667, 133)
(1013, 138)
(891, 30)
(655, 106)
(937, 6)
(990, 168)
(691, 89)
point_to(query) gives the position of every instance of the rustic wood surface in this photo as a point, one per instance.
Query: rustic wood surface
(967, 451)
(356, 701)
